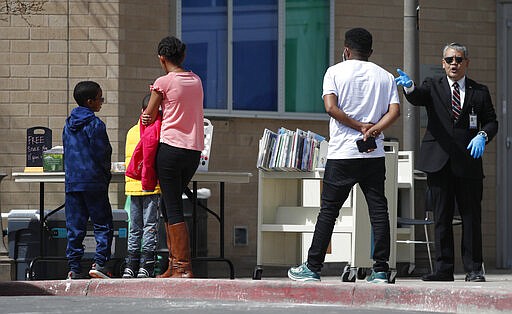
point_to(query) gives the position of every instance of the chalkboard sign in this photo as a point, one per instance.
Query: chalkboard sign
(39, 139)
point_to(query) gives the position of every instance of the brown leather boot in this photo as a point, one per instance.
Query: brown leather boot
(168, 272)
(180, 247)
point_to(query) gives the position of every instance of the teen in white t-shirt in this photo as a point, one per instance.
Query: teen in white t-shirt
(364, 91)
(362, 100)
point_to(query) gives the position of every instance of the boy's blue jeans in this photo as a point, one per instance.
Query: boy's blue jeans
(79, 207)
(143, 223)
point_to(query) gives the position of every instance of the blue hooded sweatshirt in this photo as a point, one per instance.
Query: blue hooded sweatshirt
(87, 152)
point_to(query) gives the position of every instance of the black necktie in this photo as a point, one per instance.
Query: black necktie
(456, 108)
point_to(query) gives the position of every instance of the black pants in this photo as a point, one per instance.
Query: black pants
(446, 191)
(339, 178)
(175, 168)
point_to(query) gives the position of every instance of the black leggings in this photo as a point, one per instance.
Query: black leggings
(175, 168)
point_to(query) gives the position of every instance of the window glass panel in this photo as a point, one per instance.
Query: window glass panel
(204, 30)
(252, 2)
(203, 3)
(306, 53)
(255, 34)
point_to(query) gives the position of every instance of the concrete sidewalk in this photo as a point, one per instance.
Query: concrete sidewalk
(493, 296)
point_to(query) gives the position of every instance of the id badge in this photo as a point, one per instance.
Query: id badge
(473, 121)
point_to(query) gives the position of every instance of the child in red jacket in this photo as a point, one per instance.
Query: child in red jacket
(142, 187)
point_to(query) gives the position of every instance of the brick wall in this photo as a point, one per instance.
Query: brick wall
(41, 63)
(111, 42)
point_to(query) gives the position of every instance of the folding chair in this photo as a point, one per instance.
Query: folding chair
(428, 220)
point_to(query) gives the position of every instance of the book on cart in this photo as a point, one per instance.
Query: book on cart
(288, 150)
(266, 146)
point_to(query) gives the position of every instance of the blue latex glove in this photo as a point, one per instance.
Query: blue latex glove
(477, 146)
(403, 79)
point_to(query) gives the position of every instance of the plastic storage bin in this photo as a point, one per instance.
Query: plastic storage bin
(24, 239)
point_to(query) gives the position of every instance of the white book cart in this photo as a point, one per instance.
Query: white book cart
(288, 206)
(405, 234)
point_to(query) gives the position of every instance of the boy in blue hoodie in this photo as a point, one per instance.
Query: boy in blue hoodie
(87, 156)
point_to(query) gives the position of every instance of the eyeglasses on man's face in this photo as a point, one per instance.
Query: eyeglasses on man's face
(449, 60)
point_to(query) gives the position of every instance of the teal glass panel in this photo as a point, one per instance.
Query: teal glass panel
(306, 54)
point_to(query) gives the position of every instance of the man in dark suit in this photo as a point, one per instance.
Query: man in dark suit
(461, 120)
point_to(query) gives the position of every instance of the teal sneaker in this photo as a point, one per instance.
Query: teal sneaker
(303, 273)
(378, 277)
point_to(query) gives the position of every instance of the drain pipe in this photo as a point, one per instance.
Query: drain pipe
(410, 113)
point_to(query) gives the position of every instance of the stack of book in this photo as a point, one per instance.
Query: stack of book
(287, 150)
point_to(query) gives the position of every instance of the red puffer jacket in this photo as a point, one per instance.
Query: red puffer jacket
(142, 163)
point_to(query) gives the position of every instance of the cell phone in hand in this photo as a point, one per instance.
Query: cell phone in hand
(365, 146)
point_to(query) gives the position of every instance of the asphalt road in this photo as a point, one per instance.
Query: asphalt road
(54, 305)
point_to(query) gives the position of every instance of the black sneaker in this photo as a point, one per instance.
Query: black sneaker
(98, 271)
(147, 270)
(132, 264)
(475, 276)
(437, 277)
(75, 275)
(129, 273)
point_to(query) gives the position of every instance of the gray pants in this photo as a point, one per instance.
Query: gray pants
(143, 223)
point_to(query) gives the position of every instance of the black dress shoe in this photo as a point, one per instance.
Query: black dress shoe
(437, 277)
(475, 276)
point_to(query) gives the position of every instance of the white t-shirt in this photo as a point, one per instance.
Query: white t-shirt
(364, 91)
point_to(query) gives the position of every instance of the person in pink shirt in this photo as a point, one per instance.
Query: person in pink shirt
(179, 94)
